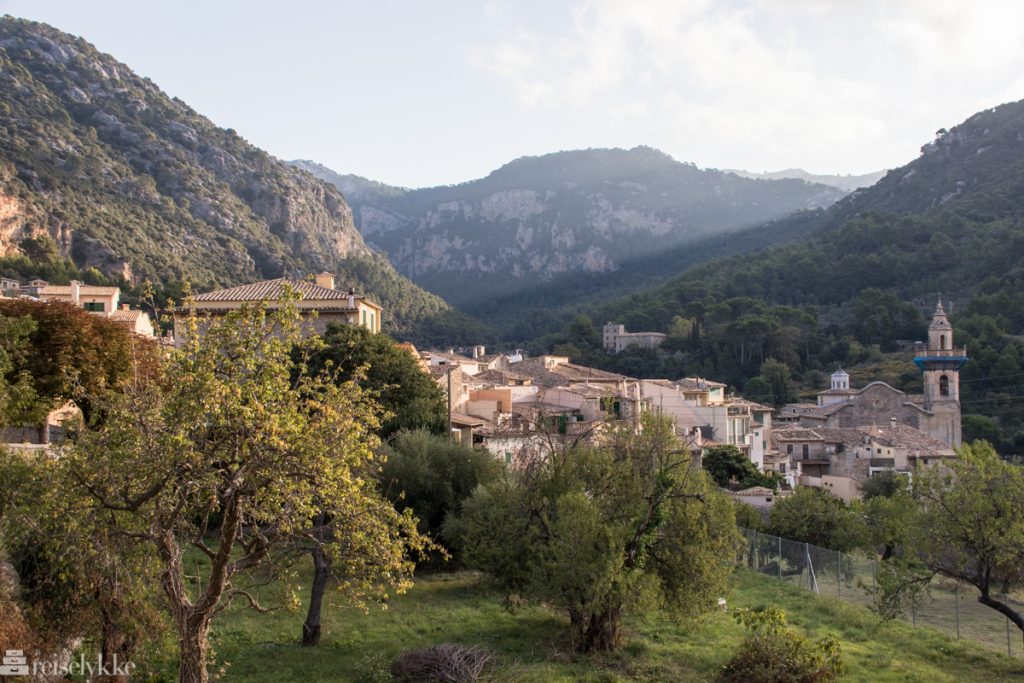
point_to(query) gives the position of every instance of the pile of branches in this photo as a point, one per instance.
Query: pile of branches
(444, 663)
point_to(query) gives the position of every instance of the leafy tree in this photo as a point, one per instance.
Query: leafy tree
(885, 484)
(69, 354)
(431, 475)
(410, 396)
(759, 389)
(980, 427)
(778, 376)
(19, 402)
(775, 652)
(601, 531)
(76, 577)
(236, 432)
(728, 463)
(973, 514)
(814, 516)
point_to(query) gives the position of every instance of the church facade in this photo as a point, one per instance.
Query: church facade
(935, 413)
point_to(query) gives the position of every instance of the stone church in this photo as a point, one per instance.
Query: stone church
(935, 413)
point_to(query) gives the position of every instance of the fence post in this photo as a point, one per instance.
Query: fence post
(956, 601)
(839, 578)
(780, 557)
(753, 550)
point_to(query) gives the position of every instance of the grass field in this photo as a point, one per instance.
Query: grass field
(532, 645)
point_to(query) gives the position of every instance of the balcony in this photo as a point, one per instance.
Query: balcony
(942, 353)
(941, 359)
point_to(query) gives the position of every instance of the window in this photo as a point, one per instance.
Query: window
(789, 449)
(508, 458)
(806, 450)
(94, 306)
(782, 468)
(944, 386)
(364, 318)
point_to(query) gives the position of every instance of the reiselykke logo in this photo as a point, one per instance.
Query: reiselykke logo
(15, 663)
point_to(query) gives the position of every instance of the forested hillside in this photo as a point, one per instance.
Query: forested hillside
(549, 218)
(103, 176)
(949, 223)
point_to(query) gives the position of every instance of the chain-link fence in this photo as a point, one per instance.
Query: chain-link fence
(950, 606)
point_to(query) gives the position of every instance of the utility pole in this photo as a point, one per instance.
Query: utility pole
(450, 402)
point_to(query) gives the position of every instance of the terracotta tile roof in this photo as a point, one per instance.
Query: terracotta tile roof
(562, 373)
(126, 316)
(905, 436)
(698, 383)
(85, 290)
(271, 290)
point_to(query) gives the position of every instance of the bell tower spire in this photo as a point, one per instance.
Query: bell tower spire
(941, 363)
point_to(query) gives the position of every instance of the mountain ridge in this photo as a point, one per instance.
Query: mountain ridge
(100, 167)
(536, 218)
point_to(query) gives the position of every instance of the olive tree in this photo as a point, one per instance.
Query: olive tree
(973, 514)
(598, 531)
(233, 452)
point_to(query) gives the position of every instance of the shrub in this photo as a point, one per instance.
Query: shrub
(777, 653)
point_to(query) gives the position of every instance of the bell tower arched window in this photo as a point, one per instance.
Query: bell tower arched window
(943, 385)
(942, 342)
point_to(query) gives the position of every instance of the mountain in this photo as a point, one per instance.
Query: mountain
(865, 273)
(538, 218)
(99, 166)
(948, 221)
(846, 183)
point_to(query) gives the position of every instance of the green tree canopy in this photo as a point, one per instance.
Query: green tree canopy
(728, 463)
(815, 516)
(602, 531)
(410, 397)
(233, 452)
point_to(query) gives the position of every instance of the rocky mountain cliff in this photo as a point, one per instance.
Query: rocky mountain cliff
(537, 218)
(100, 165)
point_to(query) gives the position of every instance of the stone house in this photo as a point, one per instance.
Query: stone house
(329, 304)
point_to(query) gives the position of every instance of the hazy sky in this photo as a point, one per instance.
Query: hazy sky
(422, 93)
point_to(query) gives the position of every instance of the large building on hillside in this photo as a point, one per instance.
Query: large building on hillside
(936, 413)
(615, 338)
(329, 304)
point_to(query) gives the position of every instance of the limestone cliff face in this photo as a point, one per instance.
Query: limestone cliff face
(571, 212)
(127, 180)
(14, 220)
(135, 183)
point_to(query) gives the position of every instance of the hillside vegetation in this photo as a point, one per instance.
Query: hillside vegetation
(949, 223)
(531, 646)
(539, 219)
(102, 174)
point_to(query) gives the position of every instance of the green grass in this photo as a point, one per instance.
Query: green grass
(532, 644)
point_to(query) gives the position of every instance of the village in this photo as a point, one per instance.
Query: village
(514, 406)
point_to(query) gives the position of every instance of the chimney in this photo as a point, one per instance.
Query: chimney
(892, 422)
(124, 307)
(478, 351)
(325, 280)
(351, 297)
(76, 291)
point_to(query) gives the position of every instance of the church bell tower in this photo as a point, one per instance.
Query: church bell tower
(941, 363)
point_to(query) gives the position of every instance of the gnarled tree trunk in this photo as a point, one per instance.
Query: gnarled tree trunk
(192, 647)
(321, 572)
(599, 631)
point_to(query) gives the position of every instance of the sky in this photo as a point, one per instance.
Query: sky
(429, 93)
